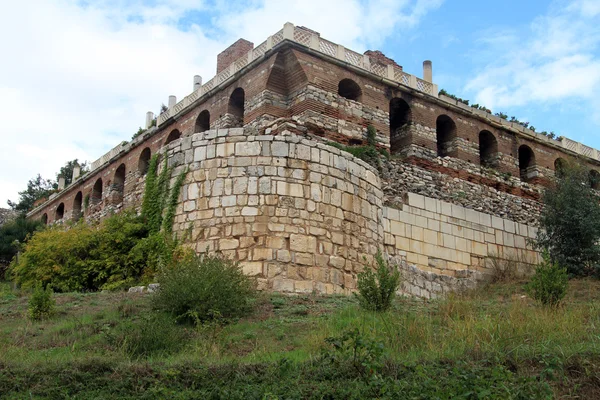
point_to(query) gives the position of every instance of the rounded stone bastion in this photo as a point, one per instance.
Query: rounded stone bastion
(298, 215)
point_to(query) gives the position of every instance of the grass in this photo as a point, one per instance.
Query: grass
(496, 337)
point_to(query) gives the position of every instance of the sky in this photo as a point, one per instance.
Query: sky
(77, 77)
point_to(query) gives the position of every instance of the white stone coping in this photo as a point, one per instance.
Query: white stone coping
(313, 41)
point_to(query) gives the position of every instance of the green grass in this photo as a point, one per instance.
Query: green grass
(494, 340)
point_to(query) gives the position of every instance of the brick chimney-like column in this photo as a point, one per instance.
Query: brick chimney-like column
(232, 53)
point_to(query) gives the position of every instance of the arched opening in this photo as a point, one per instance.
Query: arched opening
(560, 166)
(174, 135)
(202, 122)
(97, 192)
(399, 123)
(350, 90)
(44, 219)
(60, 212)
(445, 129)
(118, 185)
(594, 179)
(488, 149)
(77, 204)
(526, 162)
(144, 161)
(236, 108)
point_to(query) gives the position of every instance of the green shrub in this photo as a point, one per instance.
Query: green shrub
(202, 288)
(41, 303)
(84, 257)
(549, 283)
(377, 288)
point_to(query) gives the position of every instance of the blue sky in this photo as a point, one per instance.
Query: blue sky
(81, 74)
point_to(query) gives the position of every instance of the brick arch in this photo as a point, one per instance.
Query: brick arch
(144, 161)
(202, 122)
(560, 164)
(400, 119)
(445, 130)
(96, 197)
(527, 163)
(349, 89)
(173, 135)
(77, 206)
(60, 212)
(236, 107)
(488, 149)
(44, 219)
(118, 184)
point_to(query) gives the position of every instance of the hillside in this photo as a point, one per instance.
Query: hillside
(491, 343)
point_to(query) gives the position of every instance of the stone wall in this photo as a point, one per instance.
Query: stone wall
(464, 184)
(300, 216)
(445, 239)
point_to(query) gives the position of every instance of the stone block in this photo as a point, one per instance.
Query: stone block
(416, 200)
(283, 285)
(228, 244)
(304, 287)
(247, 148)
(252, 268)
(497, 223)
(303, 243)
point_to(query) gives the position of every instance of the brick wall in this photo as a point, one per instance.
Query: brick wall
(232, 53)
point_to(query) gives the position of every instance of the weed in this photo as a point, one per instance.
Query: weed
(41, 303)
(376, 289)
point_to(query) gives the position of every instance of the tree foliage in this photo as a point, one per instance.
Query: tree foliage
(84, 257)
(13, 234)
(570, 222)
(67, 170)
(37, 188)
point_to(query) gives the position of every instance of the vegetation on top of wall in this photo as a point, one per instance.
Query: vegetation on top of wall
(525, 124)
(369, 152)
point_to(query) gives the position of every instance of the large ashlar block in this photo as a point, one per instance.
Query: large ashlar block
(247, 148)
(303, 243)
(416, 200)
(252, 268)
(228, 244)
(290, 189)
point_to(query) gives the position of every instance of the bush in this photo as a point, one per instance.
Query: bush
(202, 288)
(376, 289)
(84, 257)
(549, 283)
(41, 303)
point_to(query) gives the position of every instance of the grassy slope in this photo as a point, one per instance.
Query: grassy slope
(495, 340)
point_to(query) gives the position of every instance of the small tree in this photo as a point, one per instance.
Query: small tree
(377, 288)
(549, 283)
(570, 222)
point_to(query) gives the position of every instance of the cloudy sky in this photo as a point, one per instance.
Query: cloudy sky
(77, 77)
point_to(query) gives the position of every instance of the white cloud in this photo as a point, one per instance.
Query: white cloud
(554, 61)
(78, 76)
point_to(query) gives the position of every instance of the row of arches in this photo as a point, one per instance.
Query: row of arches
(96, 195)
(400, 120)
(235, 113)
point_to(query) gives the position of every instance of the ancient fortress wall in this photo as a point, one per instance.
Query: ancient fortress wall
(443, 247)
(305, 217)
(299, 215)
